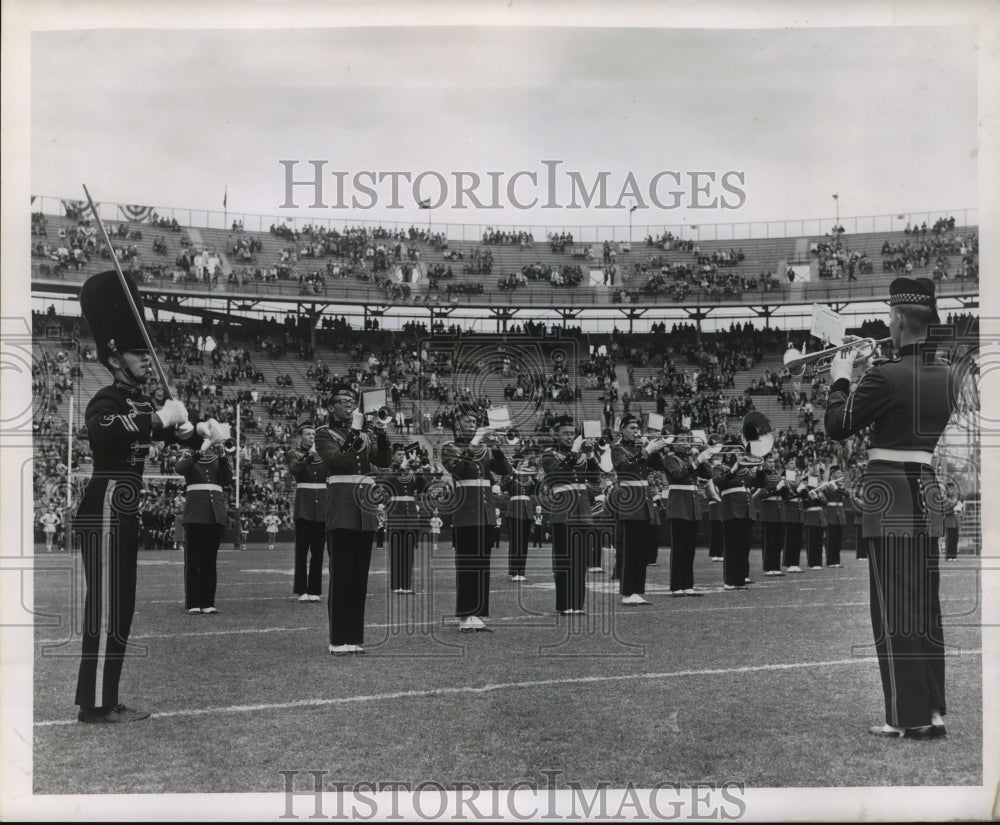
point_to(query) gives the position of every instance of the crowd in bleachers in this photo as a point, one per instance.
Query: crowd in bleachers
(496, 237)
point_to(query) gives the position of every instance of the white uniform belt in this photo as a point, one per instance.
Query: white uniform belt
(631, 482)
(566, 488)
(520, 498)
(729, 490)
(691, 488)
(215, 488)
(473, 482)
(774, 498)
(814, 508)
(914, 456)
(835, 504)
(350, 479)
(310, 485)
(401, 498)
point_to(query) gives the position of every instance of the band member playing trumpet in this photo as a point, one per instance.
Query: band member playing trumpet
(632, 503)
(684, 464)
(736, 523)
(402, 522)
(770, 499)
(907, 403)
(207, 473)
(475, 453)
(714, 499)
(835, 517)
(814, 523)
(350, 454)
(570, 471)
(792, 514)
(520, 487)
(309, 472)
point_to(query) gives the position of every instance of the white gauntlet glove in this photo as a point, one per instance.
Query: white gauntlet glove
(173, 413)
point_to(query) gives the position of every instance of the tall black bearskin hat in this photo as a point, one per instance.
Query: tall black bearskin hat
(112, 323)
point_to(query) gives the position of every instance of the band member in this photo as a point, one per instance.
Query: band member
(470, 458)
(520, 487)
(907, 403)
(309, 472)
(121, 423)
(207, 473)
(714, 499)
(770, 500)
(814, 522)
(632, 503)
(835, 517)
(736, 523)
(792, 514)
(49, 521)
(402, 521)
(952, 519)
(569, 474)
(272, 521)
(350, 454)
(684, 465)
(436, 523)
(538, 526)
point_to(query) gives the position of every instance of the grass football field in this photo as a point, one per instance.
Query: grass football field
(772, 687)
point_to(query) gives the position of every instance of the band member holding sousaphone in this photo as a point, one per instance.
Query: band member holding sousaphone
(520, 489)
(907, 403)
(632, 503)
(687, 460)
(309, 472)
(475, 453)
(836, 519)
(207, 473)
(402, 520)
(121, 423)
(570, 472)
(351, 454)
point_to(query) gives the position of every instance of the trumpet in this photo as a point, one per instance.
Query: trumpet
(510, 437)
(821, 360)
(229, 445)
(688, 440)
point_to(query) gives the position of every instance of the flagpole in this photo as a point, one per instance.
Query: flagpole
(225, 208)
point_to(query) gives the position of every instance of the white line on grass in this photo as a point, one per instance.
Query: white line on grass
(452, 691)
(239, 631)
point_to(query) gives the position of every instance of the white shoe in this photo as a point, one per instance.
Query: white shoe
(209, 610)
(519, 578)
(404, 592)
(314, 598)
(304, 597)
(466, 625)
(635, 598)
(835, 565)
(193, 610)
(357, 650)
(793, 569)
(729, 587)
(340, 650)
(815, 566)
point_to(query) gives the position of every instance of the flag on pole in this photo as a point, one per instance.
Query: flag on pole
(836, 197)
(425, 204)
(225, 197)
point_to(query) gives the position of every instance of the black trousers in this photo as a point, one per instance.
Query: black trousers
(653, 548)
(109, 568)
(683, 536)
(904, 586)
(538, 533)
(350, 558)
(569, 565)
(402, 548)
(951, 543)
(793, 544)
(634, 544)
(774, 540)
(310, 539)
(736, 556)
(715, 540)
(201, 551)
(517, 552)
(834, 543)
(473, 549)
(814, 546)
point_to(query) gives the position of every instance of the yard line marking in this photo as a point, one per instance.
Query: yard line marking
(445, 624)
(499, 686)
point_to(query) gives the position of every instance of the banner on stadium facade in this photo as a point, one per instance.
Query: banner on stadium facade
(135, 212)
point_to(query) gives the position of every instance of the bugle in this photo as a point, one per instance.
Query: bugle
(821, 360)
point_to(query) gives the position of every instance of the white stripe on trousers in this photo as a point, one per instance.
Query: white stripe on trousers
(106, 596)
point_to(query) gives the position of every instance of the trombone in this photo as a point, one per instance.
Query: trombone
(821, 360)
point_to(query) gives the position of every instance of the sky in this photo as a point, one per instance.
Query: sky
(884, 117)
